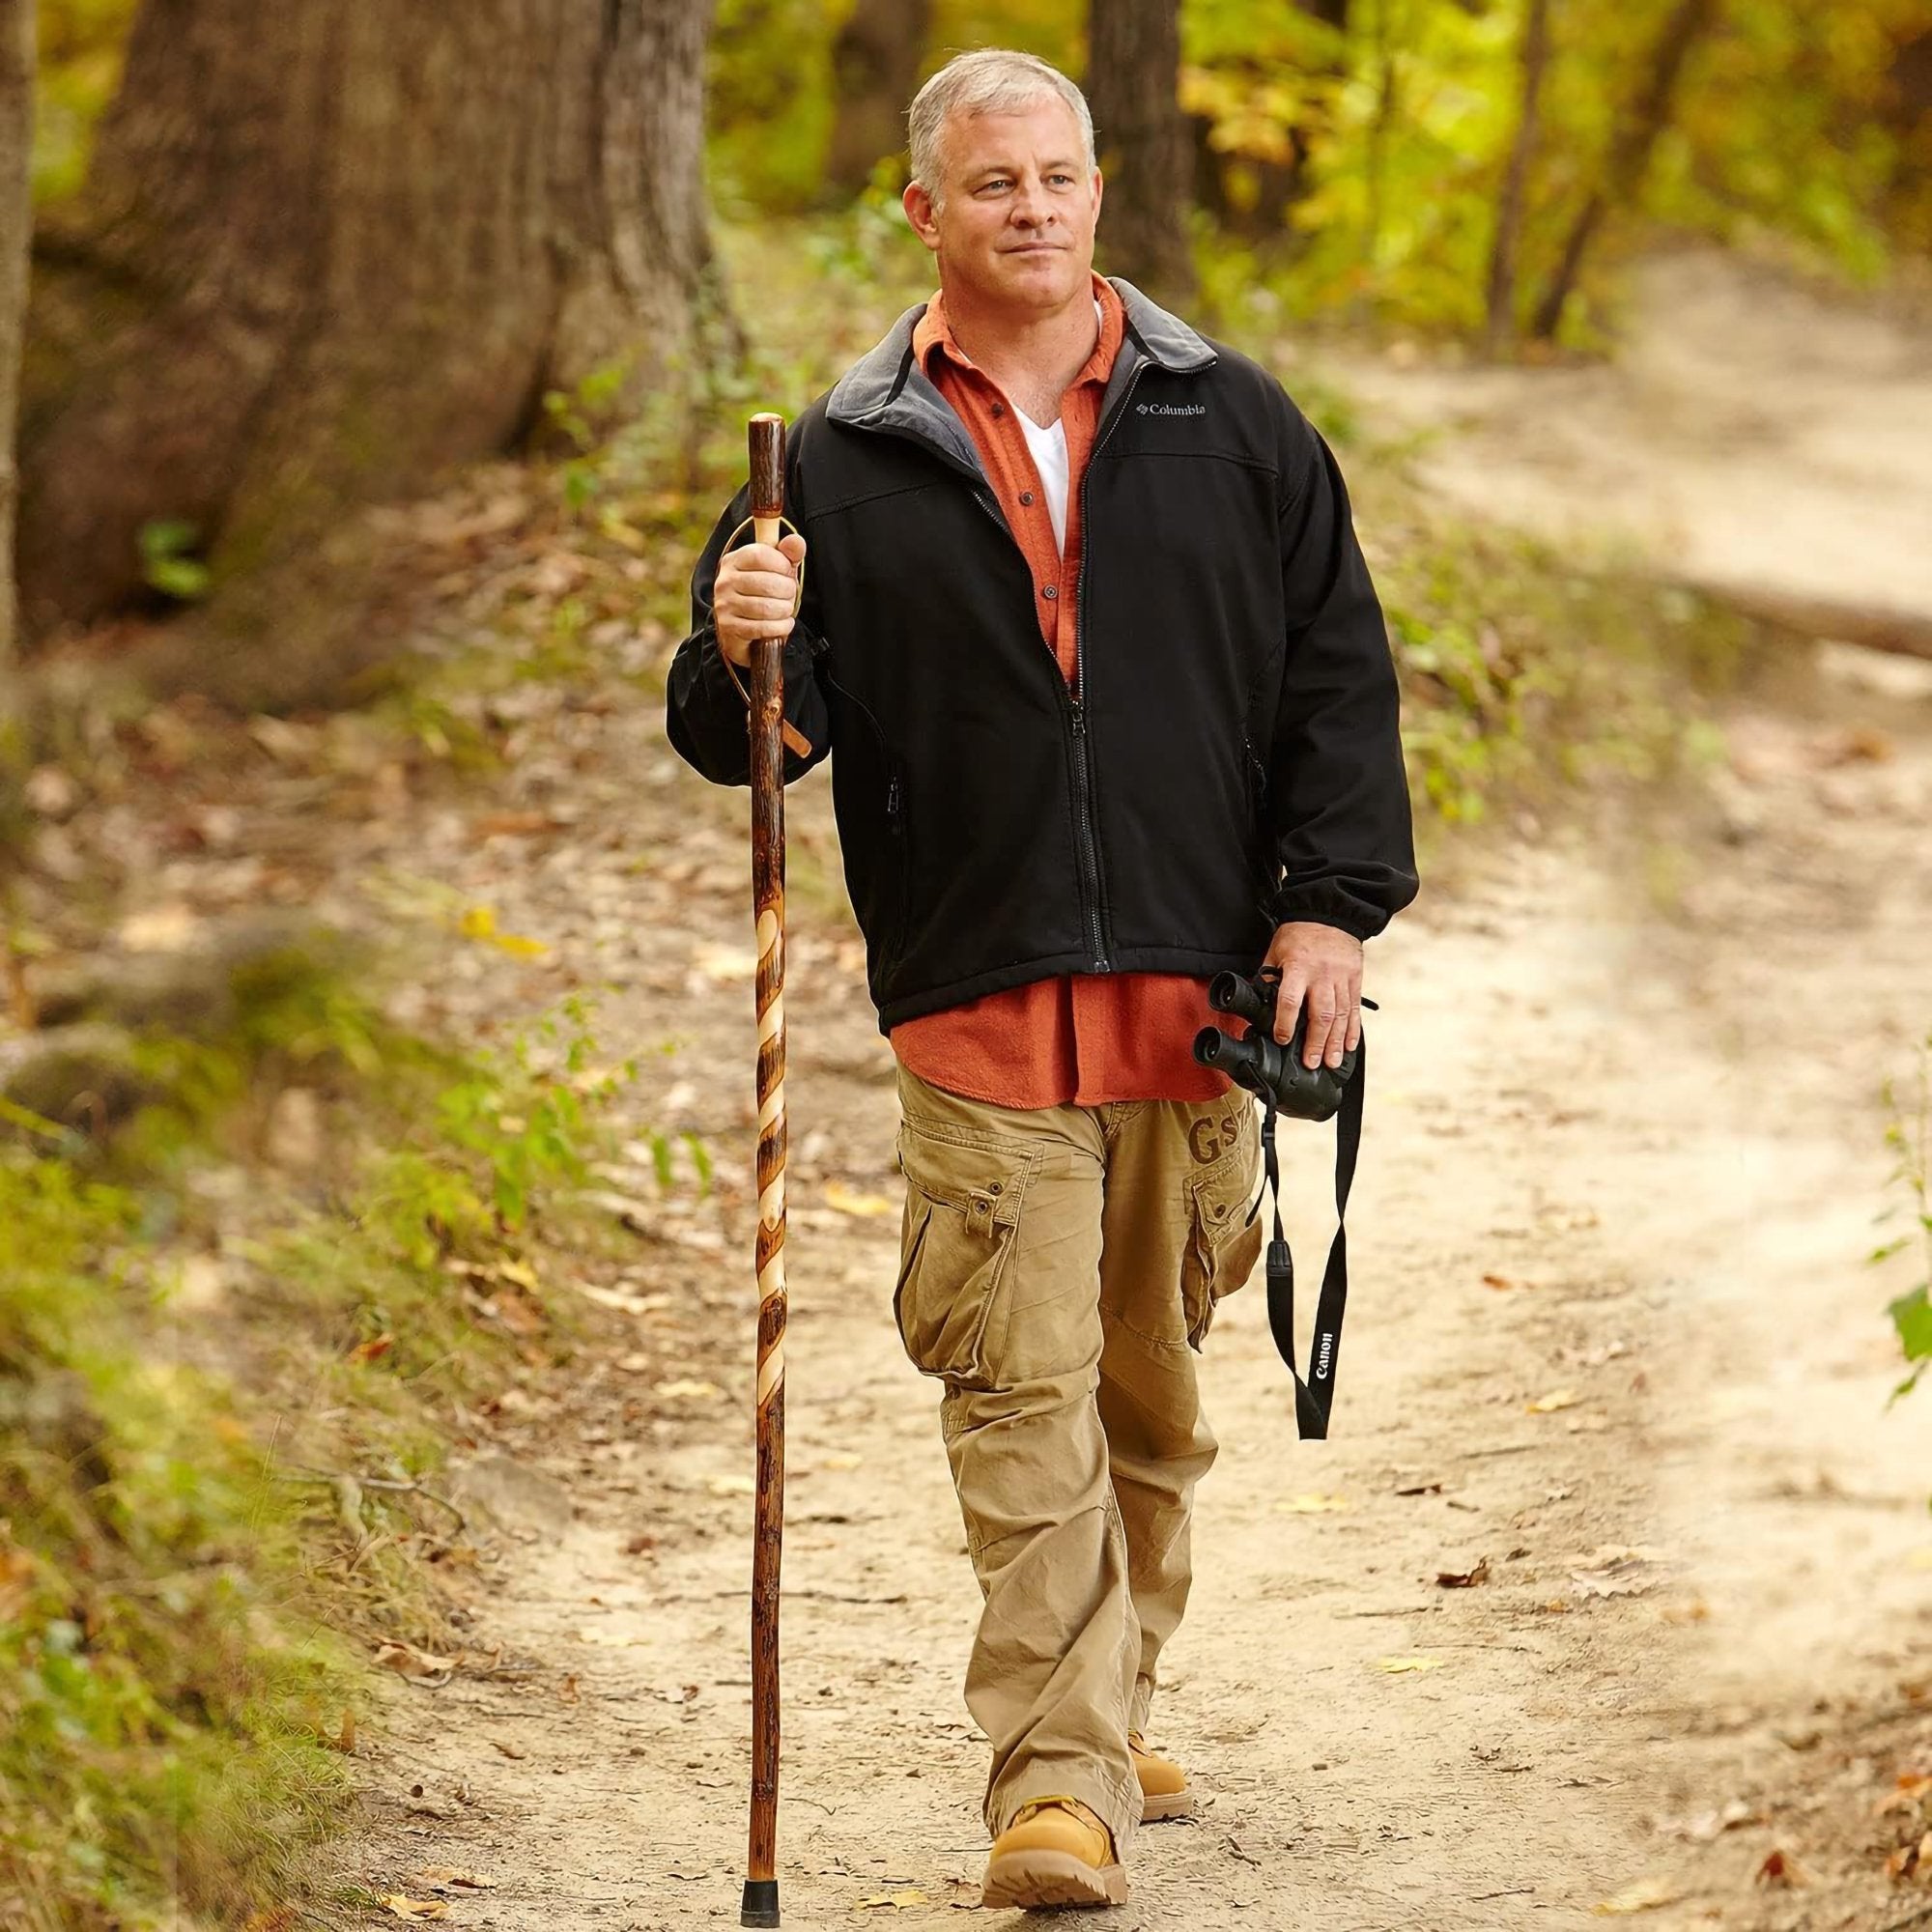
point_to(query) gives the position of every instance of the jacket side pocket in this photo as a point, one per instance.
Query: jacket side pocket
(899, 863)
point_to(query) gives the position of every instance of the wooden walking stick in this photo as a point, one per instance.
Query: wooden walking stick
(768, 856)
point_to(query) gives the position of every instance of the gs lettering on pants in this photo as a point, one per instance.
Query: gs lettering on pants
(1208, 1139)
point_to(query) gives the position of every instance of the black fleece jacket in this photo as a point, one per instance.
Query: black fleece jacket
(1230, 759)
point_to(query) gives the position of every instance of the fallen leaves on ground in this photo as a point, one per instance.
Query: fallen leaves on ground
(371, 1351)
(456, 1875)
(900, 1901)
(480, 923)
(1618, 1571)
(1695, 1611)
(1548, 1404)
(1703, 1827)
(415, 1907)
(512, 824)
(1463, 1579)
(1646, 1895)
(1505, 1281)
(1780, 1869)
(849, 1201)
(694, 1391)
(1397, 1667)
(1910, 1861)
(419, 1665)
(1906, 1794)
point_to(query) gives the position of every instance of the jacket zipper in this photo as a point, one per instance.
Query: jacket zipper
(1083, 773)
(1083, 782)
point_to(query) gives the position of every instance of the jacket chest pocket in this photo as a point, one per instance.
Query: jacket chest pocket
(956, 1249)
(1223, 1244)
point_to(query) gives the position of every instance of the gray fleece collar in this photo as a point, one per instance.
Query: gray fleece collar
(886, 389)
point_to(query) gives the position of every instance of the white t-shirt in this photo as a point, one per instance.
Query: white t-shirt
(1049, 458)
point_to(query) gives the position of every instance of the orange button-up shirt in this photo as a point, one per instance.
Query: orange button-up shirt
(1085, 1038)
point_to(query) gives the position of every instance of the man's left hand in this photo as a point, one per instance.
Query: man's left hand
(1324, 965)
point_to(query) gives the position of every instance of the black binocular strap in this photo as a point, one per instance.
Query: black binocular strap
(1312, 1403)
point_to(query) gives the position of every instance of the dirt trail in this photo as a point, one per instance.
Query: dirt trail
(1621, 1162)
(1750, 431)
(1629, 1156)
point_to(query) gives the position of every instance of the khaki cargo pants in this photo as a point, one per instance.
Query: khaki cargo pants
(1058, 1267)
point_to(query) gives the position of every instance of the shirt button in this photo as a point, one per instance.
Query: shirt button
(1050, 591)
(1025, 496)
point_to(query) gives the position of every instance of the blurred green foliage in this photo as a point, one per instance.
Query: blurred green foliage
(769, 102)
(179, 1635)
(1376, 153)
(1909, 1135)
(80, 48)
(1365, 164)
(1407, 120)
(153, 1680)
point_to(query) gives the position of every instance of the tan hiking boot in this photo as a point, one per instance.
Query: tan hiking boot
(1164, 1792)
(1056, 1852)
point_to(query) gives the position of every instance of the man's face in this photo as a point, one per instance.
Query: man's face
(1013, 225)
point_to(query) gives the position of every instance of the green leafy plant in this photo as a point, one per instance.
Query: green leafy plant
(581, 414)
(1910, 1137)
(167, 564)
(528, 1131)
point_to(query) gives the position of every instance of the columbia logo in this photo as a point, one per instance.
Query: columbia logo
(1170, 408)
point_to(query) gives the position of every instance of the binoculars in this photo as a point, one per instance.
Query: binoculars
(1256, 1062)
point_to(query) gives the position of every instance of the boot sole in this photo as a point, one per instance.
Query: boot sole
(1051, 1878)
(1167, 1805)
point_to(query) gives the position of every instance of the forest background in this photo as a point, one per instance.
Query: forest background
(367, 377)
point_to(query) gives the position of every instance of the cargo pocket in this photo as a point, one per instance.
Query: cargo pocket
(1223, 1245)
(964, 1191)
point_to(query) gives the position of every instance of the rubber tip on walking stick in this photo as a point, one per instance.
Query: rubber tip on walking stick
(762, 1902)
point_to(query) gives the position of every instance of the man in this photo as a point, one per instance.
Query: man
(1089, 631)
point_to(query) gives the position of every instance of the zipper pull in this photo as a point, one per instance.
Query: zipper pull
(892, 798)
(1079, 717)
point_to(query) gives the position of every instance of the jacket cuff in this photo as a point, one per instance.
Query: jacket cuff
(795, 740)
(1325, 902)
(801, 650)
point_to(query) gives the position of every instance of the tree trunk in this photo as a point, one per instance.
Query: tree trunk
(875, 63)
(1907, 112)
(1630, 153)
(1388, 82)
(1516, 180)
(325, 252)
(1133, 79)
(16, 139)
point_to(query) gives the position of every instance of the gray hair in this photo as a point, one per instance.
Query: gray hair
(994, 80)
